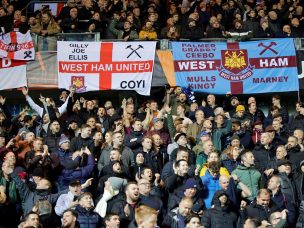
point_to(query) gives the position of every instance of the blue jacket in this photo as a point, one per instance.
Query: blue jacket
(88, 218)
(81, 173)
(211, 185)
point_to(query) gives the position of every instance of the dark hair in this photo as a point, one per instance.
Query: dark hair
(177, 163)
(214, 167)
(73, 212)
(83, 126)
(109, 216)
(129, 183)
(191, 216)
(30, 213)
(276, 96)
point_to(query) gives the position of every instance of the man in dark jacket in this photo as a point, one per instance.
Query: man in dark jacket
(53, 136)
(221, 215)
(264, 153)
(124, 206)
(83, 140)
(70, 24)
(168, 168)
(261, 208)
(176, 217)
(294, 153)
(192, 31)
(287, 183)
(282, 200)
(87, 218)
(133, 139)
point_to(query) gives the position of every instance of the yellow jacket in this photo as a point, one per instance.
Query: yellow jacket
(223, 171)
(147, 35)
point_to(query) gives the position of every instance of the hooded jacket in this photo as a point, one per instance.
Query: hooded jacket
(220, 216)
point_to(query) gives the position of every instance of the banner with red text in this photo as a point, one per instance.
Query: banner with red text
(16, 45)
(242, 68)
(93, 66)
(12, 73)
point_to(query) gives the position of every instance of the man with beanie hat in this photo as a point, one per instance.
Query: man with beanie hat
(112, 188)
(37, 176)
(191, 189)
(241, 115)
(65, 157)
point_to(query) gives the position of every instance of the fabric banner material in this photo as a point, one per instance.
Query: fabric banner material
(16, 45)
(241, 68)
(55, 8)
(93, 66)
(12, 74)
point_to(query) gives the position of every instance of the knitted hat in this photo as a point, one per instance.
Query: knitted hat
(234, 137)
(117, 183)
(190, 183)
(63, 139)
(27, 118)
(283, 162)
(178, 135)
(240, 108)
(38, 172)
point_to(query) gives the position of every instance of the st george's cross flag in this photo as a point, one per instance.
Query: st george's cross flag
(18, 46)
(90, 66)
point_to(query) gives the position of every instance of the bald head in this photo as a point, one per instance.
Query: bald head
(224, 182)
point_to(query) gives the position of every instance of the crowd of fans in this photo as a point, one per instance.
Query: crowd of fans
(180, 164)
(155, 19)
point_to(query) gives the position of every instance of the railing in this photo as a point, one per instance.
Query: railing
(30, 7)
(50, 43)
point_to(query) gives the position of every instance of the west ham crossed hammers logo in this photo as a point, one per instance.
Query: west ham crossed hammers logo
(269, 47)
(134, 51)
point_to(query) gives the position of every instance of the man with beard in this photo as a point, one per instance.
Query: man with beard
(53, 136)
(125, 205)
(294, 152)
(69, 219)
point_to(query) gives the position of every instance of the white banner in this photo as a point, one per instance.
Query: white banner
(93, 66)
(16, 45)
(12, 74)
